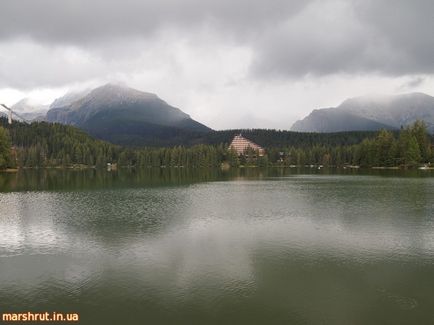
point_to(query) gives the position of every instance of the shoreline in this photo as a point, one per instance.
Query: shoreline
(225, 168)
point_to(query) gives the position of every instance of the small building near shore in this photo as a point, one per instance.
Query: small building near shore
(241, 145)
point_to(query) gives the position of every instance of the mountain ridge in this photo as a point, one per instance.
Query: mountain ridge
(117, 113)
(29, 111)
(370, 113)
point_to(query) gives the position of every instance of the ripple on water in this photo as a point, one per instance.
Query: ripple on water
(300, 243)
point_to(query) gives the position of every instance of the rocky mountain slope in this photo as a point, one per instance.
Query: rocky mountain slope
(368, 113)
(29, 111)
(125, 116)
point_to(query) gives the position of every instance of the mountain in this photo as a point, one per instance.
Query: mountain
(331, 120)
(69, 98)
(368, 113)
(126, 116)
(30, 111)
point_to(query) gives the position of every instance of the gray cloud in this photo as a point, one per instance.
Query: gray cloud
(288, 38)
(412, 84)
(250, 59)
(359, 36)
(81, 21)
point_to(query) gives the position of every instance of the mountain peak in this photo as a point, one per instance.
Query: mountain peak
(30, 110)
(116, 88)
(114, 93)
(121, 114)
(26, 105)
(69, 98)
(382, 99)
(371, 112)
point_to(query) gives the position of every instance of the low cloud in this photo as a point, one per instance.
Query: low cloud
(208, 57)
(289, 38)
(359, 37)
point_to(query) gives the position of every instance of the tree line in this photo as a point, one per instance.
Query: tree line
(270, 138)
(411, 146)
(42, 144)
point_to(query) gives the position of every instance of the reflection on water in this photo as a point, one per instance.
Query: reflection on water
(207, 247)
(91, 179)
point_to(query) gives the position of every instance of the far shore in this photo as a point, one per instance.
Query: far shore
(224, 168)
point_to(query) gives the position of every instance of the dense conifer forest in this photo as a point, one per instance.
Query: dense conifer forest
(42, 144)
(269, 138)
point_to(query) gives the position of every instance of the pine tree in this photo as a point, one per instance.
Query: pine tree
(419, 131)
(409, 148)
(385, 144)
(5, 148)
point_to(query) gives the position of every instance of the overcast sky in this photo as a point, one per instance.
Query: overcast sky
(227, 63)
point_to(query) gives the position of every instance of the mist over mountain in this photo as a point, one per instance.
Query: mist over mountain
(30, 111)
(368, 113)
(69, 98)
(125, 116)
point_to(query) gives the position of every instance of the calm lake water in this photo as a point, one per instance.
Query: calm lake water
(207, 247)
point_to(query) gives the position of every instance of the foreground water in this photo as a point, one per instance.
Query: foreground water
(206, 247)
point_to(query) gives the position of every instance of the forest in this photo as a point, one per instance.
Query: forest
(42, 144)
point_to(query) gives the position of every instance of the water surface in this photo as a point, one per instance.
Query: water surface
(205, 247)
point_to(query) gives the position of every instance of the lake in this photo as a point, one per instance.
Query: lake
(276, 246)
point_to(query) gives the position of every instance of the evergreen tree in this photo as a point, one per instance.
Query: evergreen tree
(5, 148)
(409, 148)
(43, 144)
(419, 131)
(385, 146)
